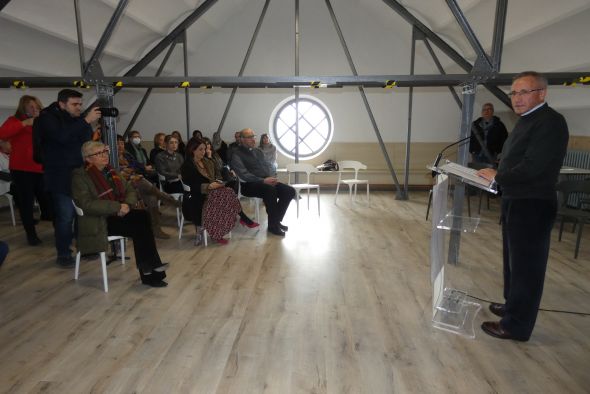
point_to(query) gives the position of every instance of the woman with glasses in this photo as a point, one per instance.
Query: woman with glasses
(109, 202)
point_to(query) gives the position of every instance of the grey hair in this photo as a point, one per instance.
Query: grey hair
(89, 146)
(540, 78)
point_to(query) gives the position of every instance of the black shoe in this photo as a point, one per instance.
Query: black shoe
(283, 227)
(498, 309)
(276, 231)
(33, 240)
(162, 268)
(65, 261)
(158, 283)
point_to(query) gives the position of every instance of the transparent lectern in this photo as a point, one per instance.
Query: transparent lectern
(451, 311)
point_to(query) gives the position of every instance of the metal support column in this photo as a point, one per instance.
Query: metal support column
(105, 98)
(366, 102)
(186, 90)
(462, 157)
(498, 38)
(296, 87)
(415, 33)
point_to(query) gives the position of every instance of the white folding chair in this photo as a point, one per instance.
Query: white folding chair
(353, 182)
(6, 185)
(253, 200)
(308, 169)
(176, 196)
(103, 259)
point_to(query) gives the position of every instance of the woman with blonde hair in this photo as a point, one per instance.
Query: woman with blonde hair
(27, 175)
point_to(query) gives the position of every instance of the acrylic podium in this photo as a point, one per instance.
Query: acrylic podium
(451, 310)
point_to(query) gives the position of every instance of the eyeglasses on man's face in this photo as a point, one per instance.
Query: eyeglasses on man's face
(103, 152)
(250, 136)
(523, 92)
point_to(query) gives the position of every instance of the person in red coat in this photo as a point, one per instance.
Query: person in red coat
(27, 175)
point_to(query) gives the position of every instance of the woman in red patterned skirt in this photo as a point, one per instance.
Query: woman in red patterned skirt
(209, 205)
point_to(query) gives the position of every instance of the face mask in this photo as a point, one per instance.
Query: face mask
(136, 140)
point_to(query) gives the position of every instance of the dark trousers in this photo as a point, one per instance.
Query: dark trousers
(64, 223)
(137, 226)
(276, 198)
(526, 233)
(172, 187)
(27, 187)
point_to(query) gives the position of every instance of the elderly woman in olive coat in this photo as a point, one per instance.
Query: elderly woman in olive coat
(106, 200)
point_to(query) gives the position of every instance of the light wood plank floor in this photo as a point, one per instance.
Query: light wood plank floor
(341, 305)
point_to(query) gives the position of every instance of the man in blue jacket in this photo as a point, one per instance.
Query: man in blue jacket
(63, 131)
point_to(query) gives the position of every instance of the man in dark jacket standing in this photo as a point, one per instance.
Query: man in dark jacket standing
(528, 172)
(63, 131)
(490, 130)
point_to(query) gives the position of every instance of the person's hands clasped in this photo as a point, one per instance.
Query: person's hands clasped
(487, 173)
(124, 210)
(271, 180)
(215, 185)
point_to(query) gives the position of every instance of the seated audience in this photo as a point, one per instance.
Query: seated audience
(137, 157)
(108, 203)
(257, 180)
(159, 146)
(147, 192)
(270, 152)
(209, 205)
(168, 165)
(197, 134)
(223, 172)
(181, 146)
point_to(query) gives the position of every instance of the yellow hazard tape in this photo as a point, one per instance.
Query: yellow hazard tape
(81, 84)
(315, 84)
(19, 84)
(119, 84)
(185, 84)
(389, 84)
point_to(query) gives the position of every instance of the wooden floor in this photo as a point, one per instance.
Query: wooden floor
(341, 305)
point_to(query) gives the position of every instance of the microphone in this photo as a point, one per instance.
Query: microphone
(439, 156)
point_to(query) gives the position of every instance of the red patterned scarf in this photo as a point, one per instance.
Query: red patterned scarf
(108, 186)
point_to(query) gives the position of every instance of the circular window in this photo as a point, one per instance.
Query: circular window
(314, 122)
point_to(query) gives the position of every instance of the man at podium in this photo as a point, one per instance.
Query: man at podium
(528, 172)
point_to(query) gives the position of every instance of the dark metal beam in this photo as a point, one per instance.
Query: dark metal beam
(149, 91)
(470, 34)
(297, 42)
(173, 36)
(443, 46)
(415, 34)
(79, 34)
(499, 28)
(106, 35)
(366, 102)
(3, 4)
(242, 68)
(186, 90)
(367, 81)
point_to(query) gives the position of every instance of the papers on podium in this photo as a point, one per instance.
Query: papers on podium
(467, 175)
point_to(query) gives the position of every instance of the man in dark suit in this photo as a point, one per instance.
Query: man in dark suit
(528, 172)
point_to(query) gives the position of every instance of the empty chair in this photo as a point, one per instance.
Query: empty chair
(575, 213)
(352, 182)
(4, 187)
(308, 169)
(103, 260)
(176, 196)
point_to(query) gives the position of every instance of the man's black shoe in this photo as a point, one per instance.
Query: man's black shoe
(283, 227)
(158, 283)
(65, 261)
(498, 309)
(162, 268)
(33, 240)
(276, 231)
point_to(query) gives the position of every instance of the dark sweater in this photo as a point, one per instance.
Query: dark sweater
(533, 155)
(249, 164)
